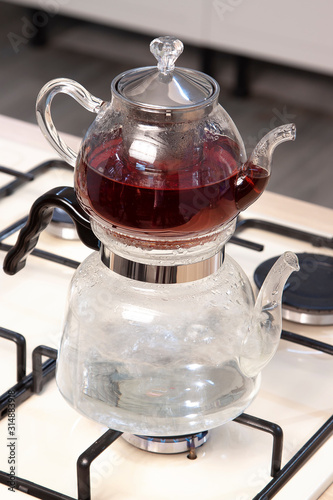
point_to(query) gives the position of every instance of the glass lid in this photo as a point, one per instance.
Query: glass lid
(164, 86)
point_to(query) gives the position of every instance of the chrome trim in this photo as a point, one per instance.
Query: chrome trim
(63, 231)
(320, 318)
(62, 225)
(167, 445)
(161, 274)
(158, 108)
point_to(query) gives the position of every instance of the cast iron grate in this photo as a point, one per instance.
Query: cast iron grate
(21, 180)
(315, 239)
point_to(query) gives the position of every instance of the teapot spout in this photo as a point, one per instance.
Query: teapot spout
(262, 154)
(255, 173)
(263, 336)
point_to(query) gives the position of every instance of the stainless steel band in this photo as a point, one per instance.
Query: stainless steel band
(305, 317)
(167, 445)
(161, 274)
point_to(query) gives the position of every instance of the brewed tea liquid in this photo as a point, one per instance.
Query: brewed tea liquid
(195, 196)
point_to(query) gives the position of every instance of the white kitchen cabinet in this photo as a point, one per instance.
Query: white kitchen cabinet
(183, 18)
(292, 32)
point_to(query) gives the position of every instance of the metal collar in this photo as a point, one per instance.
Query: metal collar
(161, 274)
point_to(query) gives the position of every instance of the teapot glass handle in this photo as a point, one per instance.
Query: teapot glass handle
(43, 111)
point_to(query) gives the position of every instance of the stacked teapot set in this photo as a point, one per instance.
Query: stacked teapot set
(162, 335)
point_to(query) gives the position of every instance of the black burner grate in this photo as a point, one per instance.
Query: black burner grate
(21, 179)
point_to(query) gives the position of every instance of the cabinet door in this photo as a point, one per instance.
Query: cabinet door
(295, 32)
(182, 18)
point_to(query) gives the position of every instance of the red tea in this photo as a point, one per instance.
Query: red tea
(163, 197)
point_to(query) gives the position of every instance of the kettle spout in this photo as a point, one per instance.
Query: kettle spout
(262, 154)
(263, 337)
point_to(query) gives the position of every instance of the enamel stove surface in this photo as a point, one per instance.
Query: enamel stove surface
(234, 464)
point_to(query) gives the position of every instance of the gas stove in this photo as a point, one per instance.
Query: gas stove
(281, 447)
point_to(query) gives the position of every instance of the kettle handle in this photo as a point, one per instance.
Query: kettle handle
(39, 217)
(43, 111)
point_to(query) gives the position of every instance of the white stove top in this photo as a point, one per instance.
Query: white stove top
(296, 390)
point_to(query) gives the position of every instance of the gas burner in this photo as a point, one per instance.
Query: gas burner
(168, 445)
(307, 296)
(62, 226)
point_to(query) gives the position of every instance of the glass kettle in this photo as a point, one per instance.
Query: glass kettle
(162, 334)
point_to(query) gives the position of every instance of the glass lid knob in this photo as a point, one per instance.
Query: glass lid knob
(166, 49)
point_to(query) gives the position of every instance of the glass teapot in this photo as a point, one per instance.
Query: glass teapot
(162, 334)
